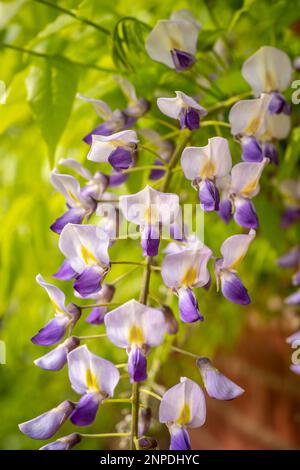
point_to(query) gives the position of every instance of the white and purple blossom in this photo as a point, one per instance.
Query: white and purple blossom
(117, 149)
(80, 204)
(233, 251)
(184, 271)
(184, 108)
(86, 250)
(204, 166)
(217, 385)
(173, 42)
(269, 70)
(92, 377)
(57, 358)
(65, 316)
(150, 210)
(136, 107)
(136, 328)
(47, 424)
(182, 406)
(63, 443)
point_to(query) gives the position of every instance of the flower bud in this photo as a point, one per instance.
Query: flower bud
(147, 443)
(172, 323)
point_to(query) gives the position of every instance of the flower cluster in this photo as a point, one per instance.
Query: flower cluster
(135, 325)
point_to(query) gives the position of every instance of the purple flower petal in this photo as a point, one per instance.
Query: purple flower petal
(117, 179)
(245, 214)
(289, 217)
(72, 216)
(251, 150)
(233, 289)
(290, 259)
(157, 174)
(86, 409)
(120, 159)
(88, 282)
(189, 118)
(65, 272)
(295, 368)
(52, 332)
(144, 421)
(270, 152)
(296, 279)
(209, 196)
(217, 385)
(105, 128)
(64, 443)
(188, 306)
(180, 439)
(293, 299)
(150, 241)
(137, 365)
(57, 358)
(182, 60)
(278, 104)
(96, 317)
(47, 424)
(225, 210)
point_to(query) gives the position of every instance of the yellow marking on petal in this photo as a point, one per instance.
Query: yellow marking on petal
(270, 84)
(91, 381)
(185, 415)
(253, 126)
(72, 196)
(136, 336)
(57, 307)
(189, 278)
(151, 215)
(175, 44)
(87, 256)
(249, 188)
(235, 264)
(208, 171)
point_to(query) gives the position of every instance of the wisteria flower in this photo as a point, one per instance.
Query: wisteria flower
(182, 406)
(85, 247)
(233, 251)
(65, 316)
(63, 443)
(269, 70)
(97, 314)
(184, 271)
(57, 358)
(173, 42)
(47, 424)
(217, 385)
(136, 107)
(136, 328)
(92, 377)
(80, 205)
(150, 210)
(184, 108)
(204, 166)
(239, 189)
(113, 121)
(290, 190)
(293, 299)
(96, 183)
(117, 149)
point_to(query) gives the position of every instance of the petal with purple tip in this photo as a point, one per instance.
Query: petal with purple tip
(96, 317)
(64, 443)
(293, 299)
(53, 331)
(217, 385)
(57, 358)
(188, 306)
(120, 159)
(86, 409)
(150, 239)
(180, 439)
(88, 282)
(245, 214)
(209, 196)
(251, 150)
(65, 272)
(233, 289)
(189, 118)
(72, 216)
(225, 210)
(137, 365)
(182, 60)
(278, 104)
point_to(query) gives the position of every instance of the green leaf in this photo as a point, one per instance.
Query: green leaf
(207, 38)
(51, 88)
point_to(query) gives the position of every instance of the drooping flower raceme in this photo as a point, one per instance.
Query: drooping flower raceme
(183, 406)
(136, 328)
(92, 377)
(184, 108)
(86, 250)
(65, 316)
(217, 385)
(204, 166)
(80, 205)
(151, 210)
(184, 271)
(238, 190)
(233, 251)
(269, 70)
(117, 149)
(173, 42)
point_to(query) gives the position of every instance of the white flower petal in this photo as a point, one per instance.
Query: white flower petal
(248, 117)
(68, 186)
(245, 178)
(235, 248)
(103, 145)
(101, 108)
(77, 167)
(269, 69)
(56, 296)
(172, 106)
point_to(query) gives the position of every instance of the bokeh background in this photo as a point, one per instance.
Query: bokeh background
(41, 122)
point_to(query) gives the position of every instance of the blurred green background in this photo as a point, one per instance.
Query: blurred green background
(41, 121)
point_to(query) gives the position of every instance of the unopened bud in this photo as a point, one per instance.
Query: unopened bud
(147, 443)
(172, 323)
(144, 421)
